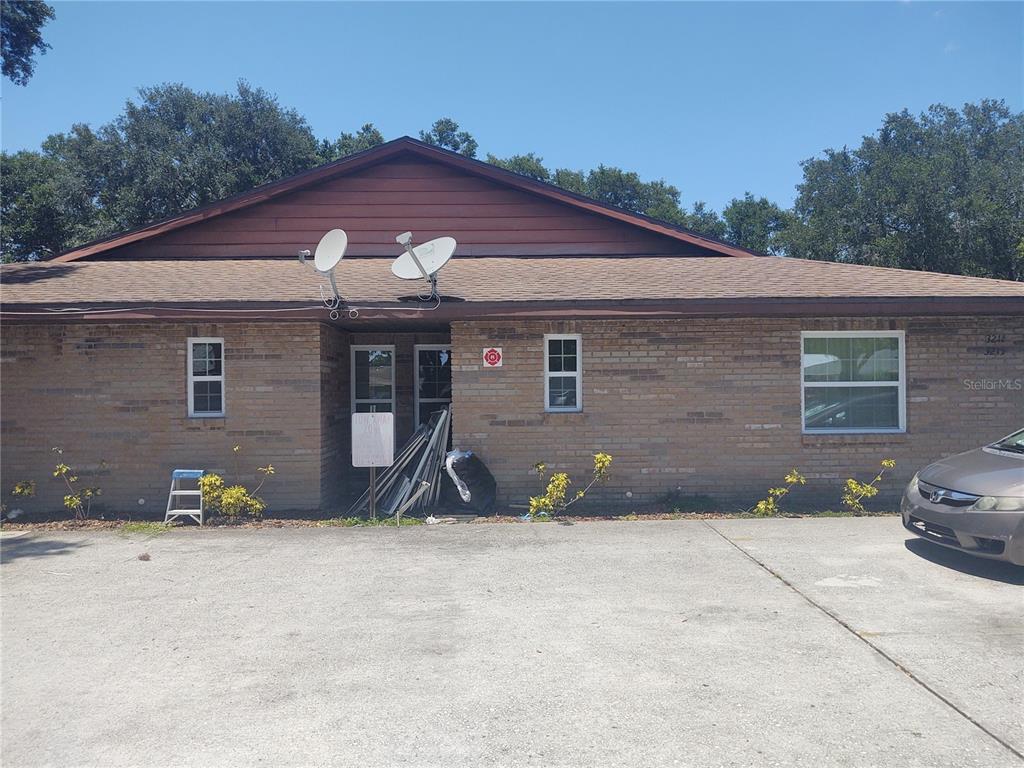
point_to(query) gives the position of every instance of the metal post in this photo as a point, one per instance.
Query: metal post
(373, 494)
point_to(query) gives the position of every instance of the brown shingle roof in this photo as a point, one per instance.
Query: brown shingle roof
(611, 283)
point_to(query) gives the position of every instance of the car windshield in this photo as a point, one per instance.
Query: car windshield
(1014, 443)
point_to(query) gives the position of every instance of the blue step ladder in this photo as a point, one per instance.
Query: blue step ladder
(182, 501)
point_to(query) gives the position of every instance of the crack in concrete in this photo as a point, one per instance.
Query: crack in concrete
(864, 639)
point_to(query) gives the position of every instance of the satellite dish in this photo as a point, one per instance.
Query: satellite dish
(425, 260)
(330, 250)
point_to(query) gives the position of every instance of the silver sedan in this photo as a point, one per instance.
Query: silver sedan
(973, 501)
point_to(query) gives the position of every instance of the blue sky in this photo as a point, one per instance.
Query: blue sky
(715, 98)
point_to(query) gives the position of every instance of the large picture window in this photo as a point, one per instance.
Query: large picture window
(563, 372)
(205, 377)
(373, 379)
(853, 381)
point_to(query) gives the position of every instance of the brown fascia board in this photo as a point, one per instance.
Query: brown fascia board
(380, 154)
(448, 312)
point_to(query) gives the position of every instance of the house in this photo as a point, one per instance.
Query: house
(700, 366)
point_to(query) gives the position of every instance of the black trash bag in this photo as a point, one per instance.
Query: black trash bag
(473, 487)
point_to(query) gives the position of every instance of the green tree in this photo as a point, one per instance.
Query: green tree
(939, 192)
(574, 181)
(171, 150)
(43, 206)
(529, 165)
(623, 189)
(755, 223)
(21, 38)
(704, 220)
(365, 138)
(445, 133)
(176, 149)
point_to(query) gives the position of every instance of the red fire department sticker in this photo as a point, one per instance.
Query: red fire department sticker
(492, 357)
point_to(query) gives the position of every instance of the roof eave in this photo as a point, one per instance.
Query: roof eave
(498, 310)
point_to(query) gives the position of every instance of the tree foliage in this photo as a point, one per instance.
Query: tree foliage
(171, 150)
(346, 144)
(21, 37)
(943, 191)
(529, 165)
(445, 133)
(615, 186)
(755, 223)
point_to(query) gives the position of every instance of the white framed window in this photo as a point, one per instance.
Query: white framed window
(373, 378)
(433, 380)
(205, 377)
(853, 381)
(563, 372)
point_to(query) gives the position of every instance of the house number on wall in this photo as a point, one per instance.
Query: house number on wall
(995, 338)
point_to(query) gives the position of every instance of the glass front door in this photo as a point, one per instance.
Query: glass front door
(373, 379)
(433, 380)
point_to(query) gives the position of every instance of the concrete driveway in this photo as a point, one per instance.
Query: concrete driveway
(832, 642)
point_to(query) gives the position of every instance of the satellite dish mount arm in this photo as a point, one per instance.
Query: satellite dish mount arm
(405, 240)
(331, 302)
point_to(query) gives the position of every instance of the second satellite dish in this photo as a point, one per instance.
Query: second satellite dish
(423, 261)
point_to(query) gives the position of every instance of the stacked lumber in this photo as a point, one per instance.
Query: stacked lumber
(421, 460)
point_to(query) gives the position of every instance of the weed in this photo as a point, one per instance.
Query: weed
(689, 502)
(855, 491)
(362, 522)
(145, 528)
(769, 506)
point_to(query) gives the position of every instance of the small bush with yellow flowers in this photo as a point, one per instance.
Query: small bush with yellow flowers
(78, 500)
(556, 498)
(234, 500)
(855, 491)
(769, 506)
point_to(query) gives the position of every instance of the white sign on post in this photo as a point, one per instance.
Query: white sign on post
(373, 439)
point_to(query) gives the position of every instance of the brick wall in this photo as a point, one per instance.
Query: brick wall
(118, 393)
(335, 421)
(713, 406)
(705, 406)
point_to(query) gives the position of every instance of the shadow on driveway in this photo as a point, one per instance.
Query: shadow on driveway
(996, 570)
(16, 549)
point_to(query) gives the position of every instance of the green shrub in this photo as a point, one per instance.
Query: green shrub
(232, 500)
(23, 489)
(235, 499)
(78, 500)
(856, 491)
(554, 500)
(769, 506)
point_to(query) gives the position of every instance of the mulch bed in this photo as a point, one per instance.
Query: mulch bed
(58, 524)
